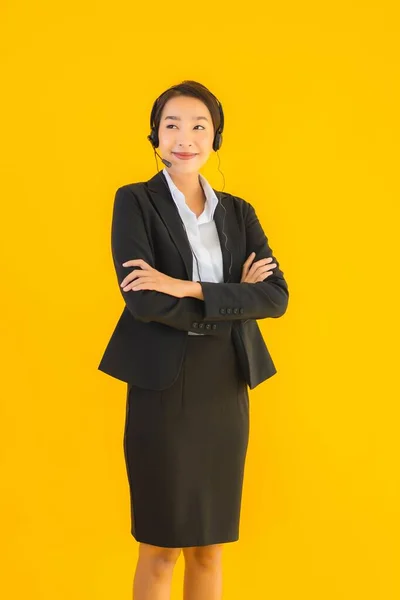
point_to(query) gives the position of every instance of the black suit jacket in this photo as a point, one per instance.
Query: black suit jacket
(148, 343)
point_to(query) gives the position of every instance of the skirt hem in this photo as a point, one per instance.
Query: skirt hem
(186, 545)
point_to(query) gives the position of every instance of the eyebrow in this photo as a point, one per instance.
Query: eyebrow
(175, 118)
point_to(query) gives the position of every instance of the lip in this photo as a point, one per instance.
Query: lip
(184, 155)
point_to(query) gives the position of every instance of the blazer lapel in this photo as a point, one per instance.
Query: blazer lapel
(164, 204)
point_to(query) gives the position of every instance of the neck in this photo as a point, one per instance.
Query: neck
(188, 183)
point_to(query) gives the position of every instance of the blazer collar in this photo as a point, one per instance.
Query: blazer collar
(165, 205)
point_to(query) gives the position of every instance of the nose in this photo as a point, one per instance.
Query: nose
(185, 140)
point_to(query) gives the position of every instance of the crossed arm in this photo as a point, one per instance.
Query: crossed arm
(258, 300)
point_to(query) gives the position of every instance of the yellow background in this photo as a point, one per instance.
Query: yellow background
(310, 93)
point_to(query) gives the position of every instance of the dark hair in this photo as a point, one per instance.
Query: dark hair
(192, 88)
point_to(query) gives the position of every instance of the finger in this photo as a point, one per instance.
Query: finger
(143, 282)
(137, 262)
(134, 275)
(247, 262)
(250, 258)
(263, 261)
(264, 268)
(130, 276)
(267, 268)
(264, 276)
(260, 264)
(260, 275)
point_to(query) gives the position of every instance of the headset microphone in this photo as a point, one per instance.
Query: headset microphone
(166, 162)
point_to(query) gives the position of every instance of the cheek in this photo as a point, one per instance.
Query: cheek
(165, 136)
(205, 139)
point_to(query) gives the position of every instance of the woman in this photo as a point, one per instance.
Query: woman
(184, 257)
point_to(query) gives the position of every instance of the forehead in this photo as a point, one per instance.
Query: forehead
(185, 107)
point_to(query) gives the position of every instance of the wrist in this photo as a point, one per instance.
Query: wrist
(192, 289)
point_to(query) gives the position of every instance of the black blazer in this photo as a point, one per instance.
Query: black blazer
(148, 343)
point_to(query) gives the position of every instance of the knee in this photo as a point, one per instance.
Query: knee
(162, 560)
(207, 557)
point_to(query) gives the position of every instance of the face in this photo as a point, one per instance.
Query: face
(185, 126)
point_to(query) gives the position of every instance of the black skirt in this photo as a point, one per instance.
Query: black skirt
(185, 450)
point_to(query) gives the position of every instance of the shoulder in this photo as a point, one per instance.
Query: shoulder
(128, 193)
(238, 204)
(130, 187)
(126, 200)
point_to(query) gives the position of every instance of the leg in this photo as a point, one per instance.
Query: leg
(203, 572)
(154, 571)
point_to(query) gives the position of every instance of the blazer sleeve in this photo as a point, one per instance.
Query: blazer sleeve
(240, 301)
(129, 240)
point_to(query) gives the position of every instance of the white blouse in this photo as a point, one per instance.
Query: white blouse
(202, 233)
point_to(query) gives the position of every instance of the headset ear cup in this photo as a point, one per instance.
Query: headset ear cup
(153, 138)
(217, 141)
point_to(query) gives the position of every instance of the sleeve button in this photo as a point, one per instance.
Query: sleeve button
(222, 311)
(214, 326)
(241, 311)
(201, 325)
(228, 311)
(208, 326)
(195, 324)
(235, 310)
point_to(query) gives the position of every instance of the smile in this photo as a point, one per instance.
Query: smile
(184, 156)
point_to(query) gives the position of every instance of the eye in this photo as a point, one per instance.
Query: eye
(173, 125)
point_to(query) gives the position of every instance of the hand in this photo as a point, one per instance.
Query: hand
(147, 278)
(259, 271)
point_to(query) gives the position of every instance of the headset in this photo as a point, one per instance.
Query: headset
(217, 142)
